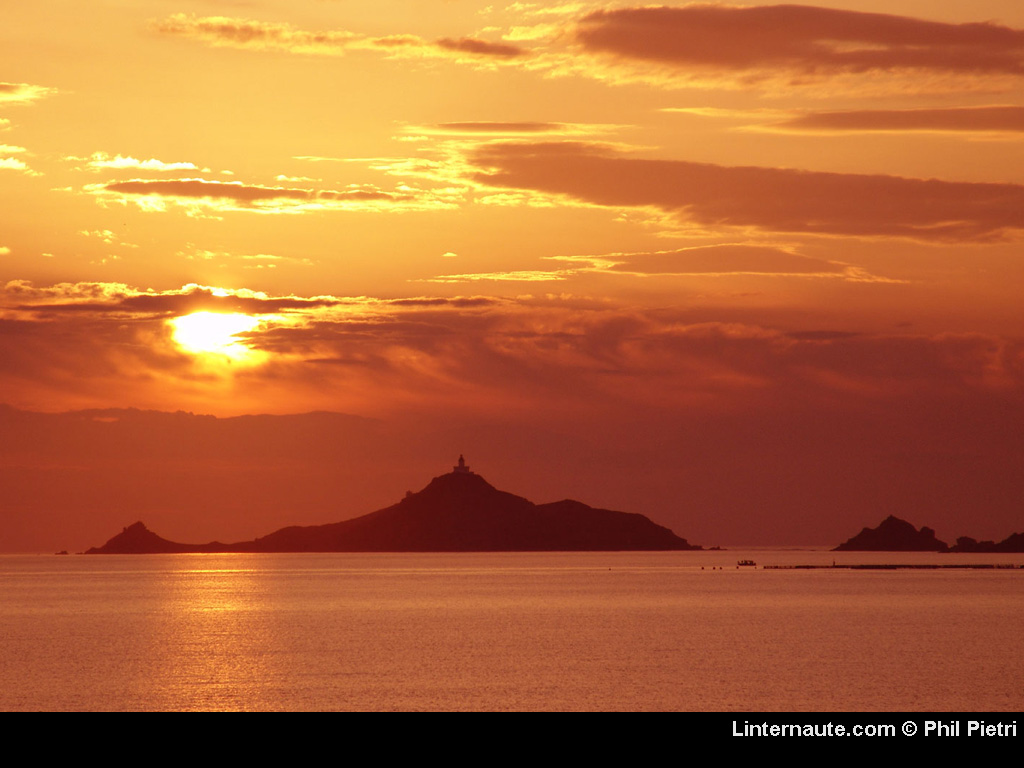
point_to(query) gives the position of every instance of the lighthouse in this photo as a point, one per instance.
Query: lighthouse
(461, 468)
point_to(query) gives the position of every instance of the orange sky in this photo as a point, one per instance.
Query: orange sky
(752, 270)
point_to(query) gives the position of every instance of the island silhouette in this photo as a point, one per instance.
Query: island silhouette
(896, 535)
(456, 512)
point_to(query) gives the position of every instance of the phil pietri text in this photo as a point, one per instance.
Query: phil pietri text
(974, 728)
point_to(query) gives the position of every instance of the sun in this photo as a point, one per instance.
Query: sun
(214, 333)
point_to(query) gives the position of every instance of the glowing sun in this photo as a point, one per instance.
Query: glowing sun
(213, 333)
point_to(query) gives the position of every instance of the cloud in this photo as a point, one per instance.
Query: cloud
(496, 129)
(14, 164)
(783, 200)
(802, 44)
(535, 9)
(249, 34)
(256, 260)
(500, 128)
(480, 47)
(294, 179)
(729, 259)
(102, 161)
(107, 237)
(23, 93)
(223, 31)
(988, 119)
(199, 195)
(723, 260)
(510, 276)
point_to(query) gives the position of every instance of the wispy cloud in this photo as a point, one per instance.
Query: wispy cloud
(16, 164)
(7, 162)
(249, 260)
(23, 93)
(101, 161)
(731, 259)
(722, 260)
(198, 196)
(250, 34)
(499, 129)
(509, 276)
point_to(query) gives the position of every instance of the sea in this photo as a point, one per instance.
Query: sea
(620, 631)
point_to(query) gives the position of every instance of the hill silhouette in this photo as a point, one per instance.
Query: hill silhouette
(894, 535)
(137, 538)
(456, 512)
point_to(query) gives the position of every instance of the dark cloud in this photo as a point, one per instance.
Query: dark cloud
(480, 47)
(803, 39)
(769, 199)
(979, 119)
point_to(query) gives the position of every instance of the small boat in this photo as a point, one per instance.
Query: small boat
(745, 562)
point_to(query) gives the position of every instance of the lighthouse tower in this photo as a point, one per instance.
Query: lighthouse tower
(461, 468)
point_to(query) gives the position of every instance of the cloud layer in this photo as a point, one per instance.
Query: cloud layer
(473, 352)
(760, 198)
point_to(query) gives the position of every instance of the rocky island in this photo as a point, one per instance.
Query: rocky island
(456, 512)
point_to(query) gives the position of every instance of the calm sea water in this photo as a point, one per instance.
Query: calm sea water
(593, 631)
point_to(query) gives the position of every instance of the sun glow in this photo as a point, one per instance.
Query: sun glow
(214, 333)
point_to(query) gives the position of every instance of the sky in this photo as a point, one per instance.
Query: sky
(752, 270)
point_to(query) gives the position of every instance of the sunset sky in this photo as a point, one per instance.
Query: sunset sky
(755, 271)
